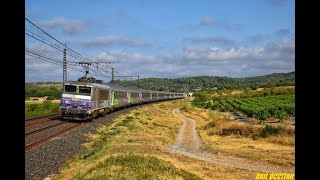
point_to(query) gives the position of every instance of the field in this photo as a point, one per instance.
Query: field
(255, 142)
(262, 108)
(41, 108)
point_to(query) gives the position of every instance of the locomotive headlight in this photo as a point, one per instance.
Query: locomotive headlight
(67, 102)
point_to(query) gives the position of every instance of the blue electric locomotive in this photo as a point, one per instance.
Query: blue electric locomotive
(86, 100)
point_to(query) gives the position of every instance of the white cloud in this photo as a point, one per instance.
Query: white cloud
(41, 70)
(208, 21)
(130, 58)
(69, 26)
(283, 32)
(114, 40)
(276, 56)
(212, 40)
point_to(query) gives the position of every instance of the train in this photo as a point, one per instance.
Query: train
(87, 100)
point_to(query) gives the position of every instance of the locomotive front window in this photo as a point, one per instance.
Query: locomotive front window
(70, 88)
(84, 90)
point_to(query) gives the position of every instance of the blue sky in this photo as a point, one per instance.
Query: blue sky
(166, 39)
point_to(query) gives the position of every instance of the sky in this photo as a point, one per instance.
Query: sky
(161, 39)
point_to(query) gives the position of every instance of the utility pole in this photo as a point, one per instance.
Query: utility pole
(138, 82)
(64, 65)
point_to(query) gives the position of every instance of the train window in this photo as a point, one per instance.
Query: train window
(84, 90)
(70, 88)
(103, 95)
(145, 95)
(122, 95)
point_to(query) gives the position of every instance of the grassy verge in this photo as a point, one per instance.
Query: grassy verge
(133, 166)
(38, 109)
(230, 137)
(134, 146)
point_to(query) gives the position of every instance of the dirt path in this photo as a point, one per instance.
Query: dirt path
(189, 143)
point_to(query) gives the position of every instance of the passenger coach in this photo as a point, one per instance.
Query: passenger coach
(83, 100)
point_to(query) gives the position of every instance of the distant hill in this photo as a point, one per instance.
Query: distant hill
(204, 82)
(189, 83)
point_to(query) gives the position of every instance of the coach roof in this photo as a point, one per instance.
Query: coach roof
(96, 85)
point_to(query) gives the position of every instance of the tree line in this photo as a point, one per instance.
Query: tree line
(179, 84)
(211, 82)
(36, 91)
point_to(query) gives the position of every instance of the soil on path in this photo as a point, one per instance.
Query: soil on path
(189, 143)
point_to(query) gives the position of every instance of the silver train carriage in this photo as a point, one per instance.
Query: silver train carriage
(83, 100)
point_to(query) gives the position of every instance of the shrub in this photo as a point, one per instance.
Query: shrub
(186, 107)
(125, 121)
(50, 98)
(261, 114)
(46, 104)
(280, 114)
(198, 104)
(33, 107)
(210, 125)
(264, 115)
(269, 130)
(228, 107)
(237, 129)
(215, 105)
(54, 109)
(208, 104)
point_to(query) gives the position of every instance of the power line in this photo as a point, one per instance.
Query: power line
(86, 65)
(35, 54)
(70, 51)
(44, 31)
(43, 41)
(77, 54)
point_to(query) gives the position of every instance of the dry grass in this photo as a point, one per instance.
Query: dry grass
(40, 102)
(231, 137)
(129, 147)
(236, 92)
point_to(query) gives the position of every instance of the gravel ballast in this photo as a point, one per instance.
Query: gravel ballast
(46, 159)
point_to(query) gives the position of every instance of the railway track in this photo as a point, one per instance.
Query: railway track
(49, 137)
(38, 134)
(43, 129)
(32, 137)
(41, 119)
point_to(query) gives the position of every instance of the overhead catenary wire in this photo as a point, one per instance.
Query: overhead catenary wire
(41, 58)
(44, 32)
(48, 59)
(58, 45)
(45, 58)
(47, 42)
(77, 56)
